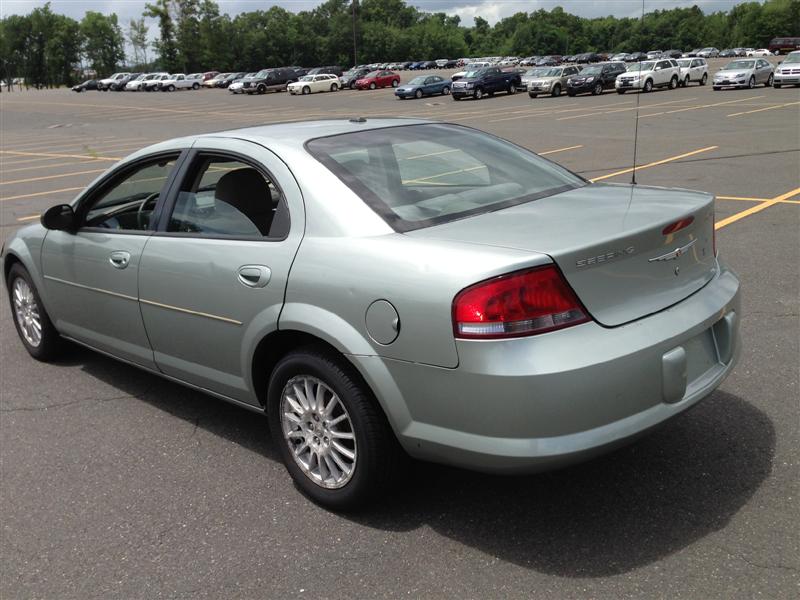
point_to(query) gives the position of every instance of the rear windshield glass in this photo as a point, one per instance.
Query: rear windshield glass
(416, 176)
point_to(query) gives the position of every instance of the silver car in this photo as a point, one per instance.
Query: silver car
(744, 72)
(548, 80)
(387, 287)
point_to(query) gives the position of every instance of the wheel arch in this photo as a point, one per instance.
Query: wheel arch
(369, 368)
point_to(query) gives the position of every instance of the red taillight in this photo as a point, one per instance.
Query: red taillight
(517, 304)
(677, 225)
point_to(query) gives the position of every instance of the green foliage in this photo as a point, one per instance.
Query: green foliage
(46, 48)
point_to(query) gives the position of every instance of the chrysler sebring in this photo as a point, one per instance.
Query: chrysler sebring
(389, 287)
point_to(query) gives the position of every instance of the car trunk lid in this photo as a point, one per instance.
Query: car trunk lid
(609, 242)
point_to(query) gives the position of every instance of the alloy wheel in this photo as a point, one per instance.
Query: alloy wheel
(26, 311)
(318, 431)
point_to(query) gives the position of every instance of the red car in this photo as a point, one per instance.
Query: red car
(377, 79)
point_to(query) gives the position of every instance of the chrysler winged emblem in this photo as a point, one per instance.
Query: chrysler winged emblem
(677, 253)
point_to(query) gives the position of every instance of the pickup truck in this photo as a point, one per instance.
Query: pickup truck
(486, 81)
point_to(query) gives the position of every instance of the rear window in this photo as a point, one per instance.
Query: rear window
(416, 176)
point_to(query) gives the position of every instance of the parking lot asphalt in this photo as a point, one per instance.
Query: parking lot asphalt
(115, 483)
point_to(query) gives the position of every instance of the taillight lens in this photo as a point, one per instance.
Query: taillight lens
(518, 304)
(677, 225)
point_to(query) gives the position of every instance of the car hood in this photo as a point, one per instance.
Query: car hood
(727, 71)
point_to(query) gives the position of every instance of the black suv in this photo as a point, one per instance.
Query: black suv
(595, 78)
(273, 80)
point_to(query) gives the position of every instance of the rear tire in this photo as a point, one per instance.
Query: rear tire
(372, 453)
(445, 91)
(716, 88)
(512, 89)
(777, 86)
(704, 80)
(306, 90)
(334, 87)
(195, 86)
(751, 83)
(395, 83)
(30, 318)
(418, 94)
(620, 92)
(478, 94)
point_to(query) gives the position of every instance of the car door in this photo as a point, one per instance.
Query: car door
(91, 274)
(213, 275)
(764, 69)
(180, 82)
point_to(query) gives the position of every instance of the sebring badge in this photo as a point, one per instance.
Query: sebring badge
(601, 258)
(677, 253)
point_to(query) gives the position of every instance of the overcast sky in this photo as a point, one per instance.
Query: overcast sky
(491, 10)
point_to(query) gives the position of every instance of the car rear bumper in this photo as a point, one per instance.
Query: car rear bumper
(540, 402)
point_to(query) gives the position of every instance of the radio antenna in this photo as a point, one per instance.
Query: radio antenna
(636, 126)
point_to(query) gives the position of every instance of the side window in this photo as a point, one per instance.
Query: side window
(222, 196)
(127, 203)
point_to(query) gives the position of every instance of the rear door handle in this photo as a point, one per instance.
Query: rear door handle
(254, 276)
(119, 259)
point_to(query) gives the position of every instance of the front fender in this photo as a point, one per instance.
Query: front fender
(26, 247)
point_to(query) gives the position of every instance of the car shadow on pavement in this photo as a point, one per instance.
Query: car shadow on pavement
(611, 515)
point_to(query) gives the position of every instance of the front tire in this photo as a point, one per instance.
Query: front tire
(686, 82)
(777, 86)
(556, 91)
(418, 94)
(334, 87)
(445, 91)
(751, 83)
(33, 325)
(372, 85)
(195, 86)
(331, 434)
(306, 90)
(597, 90)
(648, 86)
(673, 83)
(512, 89)
(478, 94)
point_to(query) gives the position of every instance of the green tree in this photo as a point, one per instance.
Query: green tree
(165, 45)
(104, 45)
(137, 36)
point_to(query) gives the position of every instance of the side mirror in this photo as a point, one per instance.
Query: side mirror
(59, 218)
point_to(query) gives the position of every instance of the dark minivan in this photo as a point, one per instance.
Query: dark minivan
(329, 70)
(595, 78)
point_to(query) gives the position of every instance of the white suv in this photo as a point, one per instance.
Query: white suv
(693, 69)
(788, 72)
(178, 81)
(649, 74)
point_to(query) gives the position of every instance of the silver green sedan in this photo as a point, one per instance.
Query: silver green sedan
(392, 287)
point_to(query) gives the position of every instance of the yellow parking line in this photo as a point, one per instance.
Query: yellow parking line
(757, 208)
(46, 177)
(54, 155)
(47, 166)
(749, 112)
(699, 106)
(72, 189)
(617, 110)
(654, 164)
(559, 150)
(742, 198)
(29, 218)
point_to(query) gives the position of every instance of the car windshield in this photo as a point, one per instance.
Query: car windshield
(643, 66)
(739, 64)
(417, 81)
(792, 58)
(416, 176)
(472, 73)
(371, 74)
(262, 74)
(552, 72)
(592, 71)
(307, 78)
(685, 62)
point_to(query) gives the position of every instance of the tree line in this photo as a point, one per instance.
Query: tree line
(192, 35)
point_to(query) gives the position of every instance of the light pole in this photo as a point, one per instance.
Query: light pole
(355, 55)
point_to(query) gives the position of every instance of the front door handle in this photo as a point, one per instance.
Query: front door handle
(254, 276)
(119, 259)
